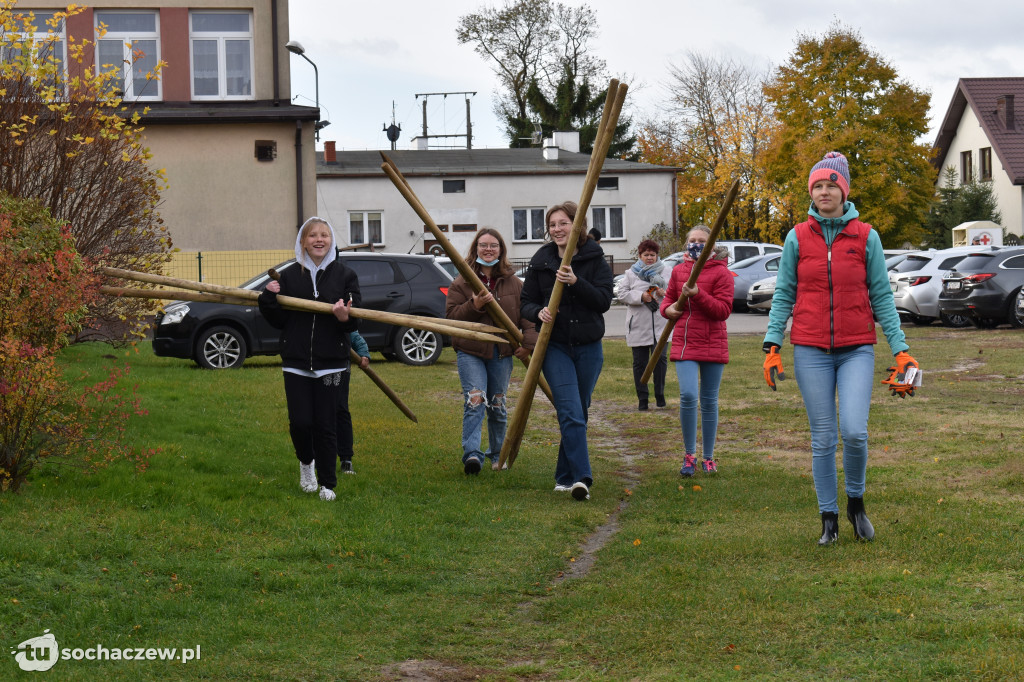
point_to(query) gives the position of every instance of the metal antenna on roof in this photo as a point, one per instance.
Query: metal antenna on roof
(393, 130)
(469, 125)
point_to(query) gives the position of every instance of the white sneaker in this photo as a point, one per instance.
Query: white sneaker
(580, 491)
(307, 477)
(559, 488)
(327, 495)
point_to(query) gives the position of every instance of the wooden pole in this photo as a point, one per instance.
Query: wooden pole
(609, 119)
(466, 330)
(666, 333)
(495, 311)
(388, 391)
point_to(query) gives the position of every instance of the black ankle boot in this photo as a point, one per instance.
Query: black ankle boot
(643, 405)
(862, 528)
(829, 528)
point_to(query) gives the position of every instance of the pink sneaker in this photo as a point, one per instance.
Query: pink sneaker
(689, 466)
(710, 467)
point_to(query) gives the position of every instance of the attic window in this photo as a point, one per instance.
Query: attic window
(453, 186)
(966, 168)
(266, 150)
(607, 183)
(985, 163)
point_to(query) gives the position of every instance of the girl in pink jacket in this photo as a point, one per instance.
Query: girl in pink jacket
(700, 344)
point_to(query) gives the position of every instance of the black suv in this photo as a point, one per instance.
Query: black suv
(222, 336)
(984, 287)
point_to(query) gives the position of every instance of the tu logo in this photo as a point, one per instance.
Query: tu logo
(37, 654)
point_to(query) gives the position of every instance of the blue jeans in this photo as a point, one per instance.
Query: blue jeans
(572, 372)
(820, 376)
(484, 384)
(699, 381)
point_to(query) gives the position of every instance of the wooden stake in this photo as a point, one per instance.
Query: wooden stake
(495, 311)
(388, 391)
(666, 333)
(466, 330)
(606, 131)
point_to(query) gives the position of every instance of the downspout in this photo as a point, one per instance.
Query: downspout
(275, 51)
(298, 173)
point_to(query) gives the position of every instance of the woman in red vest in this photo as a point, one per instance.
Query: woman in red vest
(832, 279)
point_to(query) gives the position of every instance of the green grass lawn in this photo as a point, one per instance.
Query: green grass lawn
(417, 569)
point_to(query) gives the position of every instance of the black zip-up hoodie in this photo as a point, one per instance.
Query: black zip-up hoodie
(313, 341)
(580, 317)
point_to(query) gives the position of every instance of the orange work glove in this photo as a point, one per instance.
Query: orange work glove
(773, 367)
(897, 375)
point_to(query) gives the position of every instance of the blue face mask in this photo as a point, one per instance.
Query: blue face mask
(481, 261)
(694, 249)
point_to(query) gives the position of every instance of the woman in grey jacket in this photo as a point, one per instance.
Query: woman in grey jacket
(642, 289)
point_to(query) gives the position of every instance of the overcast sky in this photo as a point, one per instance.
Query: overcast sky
(370, 54)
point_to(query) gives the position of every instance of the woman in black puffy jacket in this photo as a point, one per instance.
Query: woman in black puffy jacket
(574, 356)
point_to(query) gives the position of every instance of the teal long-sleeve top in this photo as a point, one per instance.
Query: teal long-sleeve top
(359, 345)
(879, 291)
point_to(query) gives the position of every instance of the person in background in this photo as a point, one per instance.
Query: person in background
(484, 368)
(574, 357)
(346, 440)
(700, 344)
(595, 234)
(314, 350)
(642, 289)
(832, 280)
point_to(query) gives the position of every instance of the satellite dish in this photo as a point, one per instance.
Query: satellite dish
(393, 132)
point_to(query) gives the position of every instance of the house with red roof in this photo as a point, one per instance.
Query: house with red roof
(982, 138)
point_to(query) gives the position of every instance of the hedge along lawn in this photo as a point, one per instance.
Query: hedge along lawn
(216, 546)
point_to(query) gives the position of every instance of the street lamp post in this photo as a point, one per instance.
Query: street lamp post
(295, 47)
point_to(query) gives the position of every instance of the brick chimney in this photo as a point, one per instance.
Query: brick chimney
(330, 155)
(1004, 111)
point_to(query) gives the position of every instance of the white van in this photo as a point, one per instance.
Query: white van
(741, 249)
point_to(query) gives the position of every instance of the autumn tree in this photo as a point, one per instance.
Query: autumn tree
(69, 141)
(718, 125)
(959, 203)
(836, 94)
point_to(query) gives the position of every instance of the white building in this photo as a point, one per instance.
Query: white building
(507, 189)
(982, 139)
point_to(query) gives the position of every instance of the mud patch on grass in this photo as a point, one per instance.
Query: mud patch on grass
(429, 671)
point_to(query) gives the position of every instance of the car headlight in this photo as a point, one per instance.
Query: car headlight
(174, 314)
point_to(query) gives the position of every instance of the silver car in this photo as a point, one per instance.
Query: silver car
(917, 282)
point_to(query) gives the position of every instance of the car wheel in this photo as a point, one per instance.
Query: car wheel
(954, 320)
(220, 348)
(922, 321)
(417, 347)
(1015, 316)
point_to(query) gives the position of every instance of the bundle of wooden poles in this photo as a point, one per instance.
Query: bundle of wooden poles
(175, 289)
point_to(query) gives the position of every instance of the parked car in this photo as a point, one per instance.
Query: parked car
(446, 263)
(760, 295)
(917, 281)
(1018, 310)
(222, 336)
(742, 249)
(985, 287)
(747, 272)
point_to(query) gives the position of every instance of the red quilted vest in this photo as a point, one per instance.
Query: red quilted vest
(832, 308)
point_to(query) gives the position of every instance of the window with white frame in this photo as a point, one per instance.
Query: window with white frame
(44, 33)
(365, 227)
(528, 225)
(130, 44)
(608, 221)
(221, 47)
